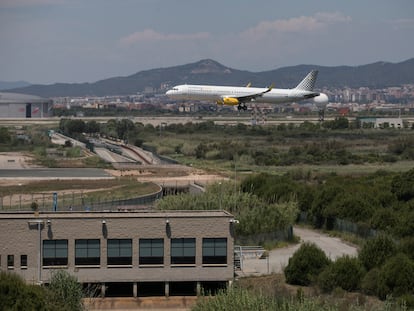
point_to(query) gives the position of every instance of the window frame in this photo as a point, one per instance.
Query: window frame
(213, 250)
(119, 249)
(151, 259)
(181, 247)
(10, 261)
(88, 259)
(50, 261)
(23, 261)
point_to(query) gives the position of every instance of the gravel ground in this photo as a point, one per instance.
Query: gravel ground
(278, 258)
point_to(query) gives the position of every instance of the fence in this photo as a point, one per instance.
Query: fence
(360, 229)
(260, 238)
(72, 201)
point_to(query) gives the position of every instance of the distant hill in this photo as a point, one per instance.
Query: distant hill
(11, 85)
(376, 75)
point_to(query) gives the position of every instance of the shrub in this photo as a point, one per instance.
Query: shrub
(305, 265)
(66, 291)
(346, 272)
(406, 246)
(398, 275)
(15, 294)
(372, 284)
(376, 251)
(395, 278)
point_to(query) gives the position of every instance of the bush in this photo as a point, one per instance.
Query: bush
(305, 265)
(406, 246)
(376, 251)
(372, 284)
(66, 291)
(15, 294)
(346, 272)
(398, 275)
(395, 278)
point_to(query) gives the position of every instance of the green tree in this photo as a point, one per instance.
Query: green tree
(376, 251)
(92, 127)
(72, 127)
(66, 291)
(5, 137)
(255, 215)
(406, 246)
(123, 127)
(346, 272)
(15, 294)
(403, 185)
(398, 275)
(395, 278)
(306, 264)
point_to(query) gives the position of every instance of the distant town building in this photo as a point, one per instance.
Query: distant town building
(13, 105)
(381, 122)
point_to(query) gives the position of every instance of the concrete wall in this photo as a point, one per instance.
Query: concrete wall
(20, 236)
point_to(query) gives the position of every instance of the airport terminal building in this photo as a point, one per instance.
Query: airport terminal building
(13, 105)
(128, 254)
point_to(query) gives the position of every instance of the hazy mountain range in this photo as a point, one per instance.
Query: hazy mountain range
(11, 85)
(375, 75)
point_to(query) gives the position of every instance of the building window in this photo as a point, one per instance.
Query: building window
(214, 251)
(120, 252)
(88, 252)
(10, 261)
(183, 251)
(55, 252)
(151, 251)
(23, 261)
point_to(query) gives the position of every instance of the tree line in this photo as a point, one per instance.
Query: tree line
(383, 201)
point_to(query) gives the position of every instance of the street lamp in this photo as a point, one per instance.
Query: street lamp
(39, 223)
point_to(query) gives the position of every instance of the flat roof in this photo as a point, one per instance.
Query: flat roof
(109, 214)
(8, 98)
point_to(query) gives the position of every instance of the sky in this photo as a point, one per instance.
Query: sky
(72, 41)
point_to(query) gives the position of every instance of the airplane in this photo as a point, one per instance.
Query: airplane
(235, 95)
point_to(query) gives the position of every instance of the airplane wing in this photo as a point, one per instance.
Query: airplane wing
(250, 97)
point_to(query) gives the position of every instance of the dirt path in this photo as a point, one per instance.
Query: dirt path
(279, 258)
(15, 160)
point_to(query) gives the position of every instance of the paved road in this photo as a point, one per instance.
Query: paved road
(54, 173)
(278, 258)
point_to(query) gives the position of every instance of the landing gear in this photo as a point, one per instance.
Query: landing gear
(242, 106)
(321, 115)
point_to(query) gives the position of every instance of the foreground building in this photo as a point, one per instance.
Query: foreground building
(14, 105)
(132, 254)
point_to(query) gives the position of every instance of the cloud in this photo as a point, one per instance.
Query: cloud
(150, 35)
(302, 24)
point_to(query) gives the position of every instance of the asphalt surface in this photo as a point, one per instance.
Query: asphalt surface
(279, 258)
(54, 173)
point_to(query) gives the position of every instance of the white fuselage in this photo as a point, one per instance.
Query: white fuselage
(236, 95)
(217, 93)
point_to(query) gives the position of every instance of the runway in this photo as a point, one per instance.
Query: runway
(54, 173)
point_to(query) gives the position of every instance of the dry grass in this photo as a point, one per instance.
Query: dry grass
(274, 285)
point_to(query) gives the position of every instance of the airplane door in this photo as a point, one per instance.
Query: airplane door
(28, 110)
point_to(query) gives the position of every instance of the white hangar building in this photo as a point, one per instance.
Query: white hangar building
(14, 105)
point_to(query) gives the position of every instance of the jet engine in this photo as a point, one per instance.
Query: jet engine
(321, 100)
(231, 101)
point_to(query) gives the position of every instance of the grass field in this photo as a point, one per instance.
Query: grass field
(72, 193)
